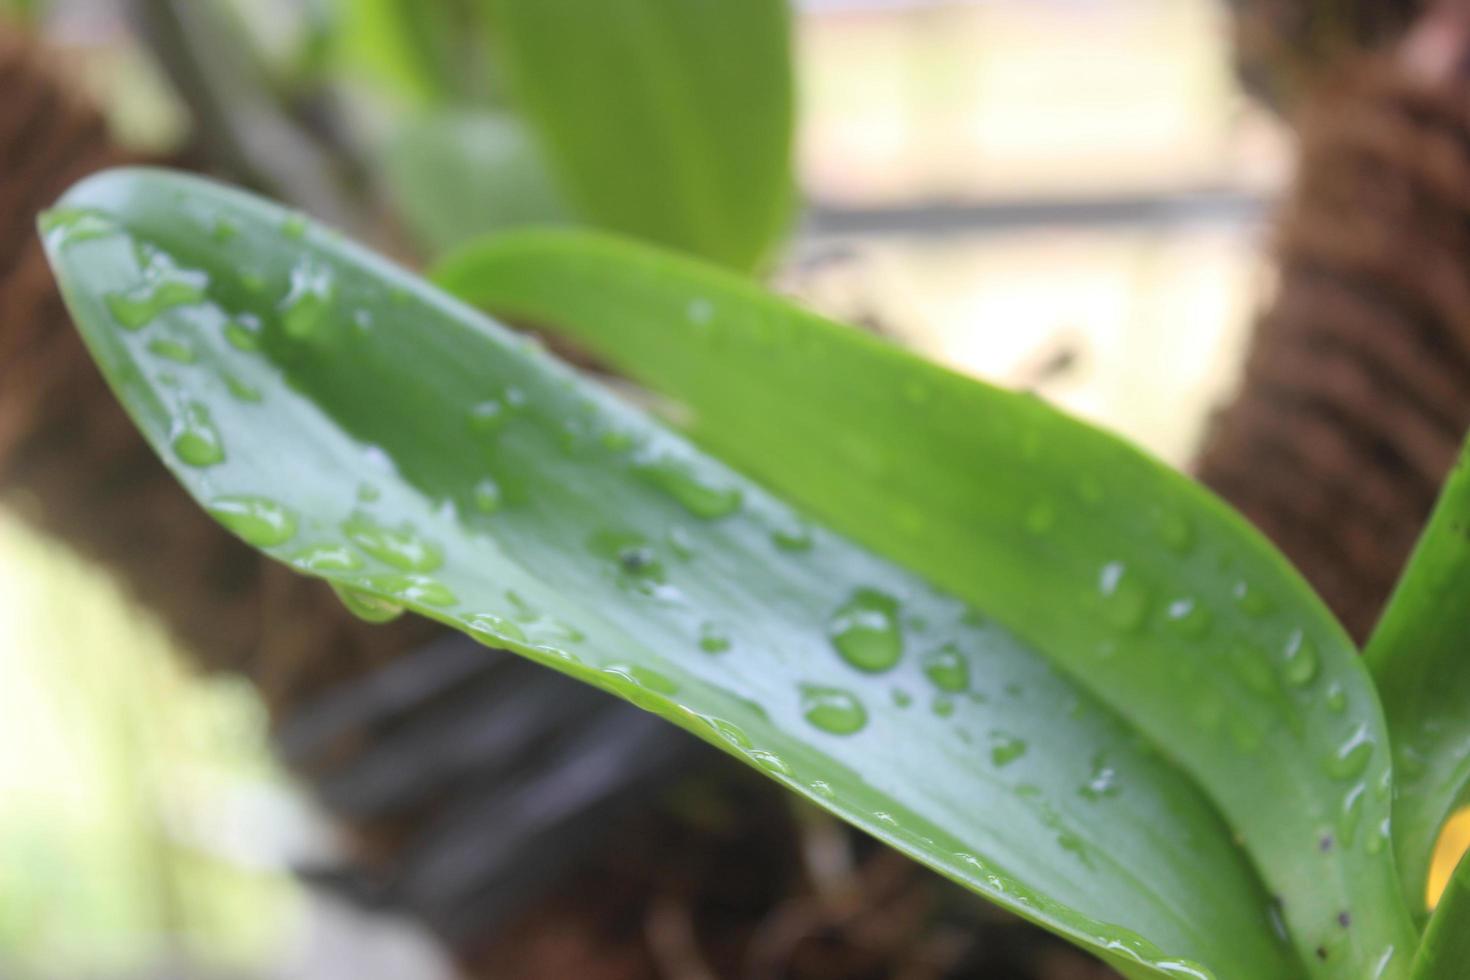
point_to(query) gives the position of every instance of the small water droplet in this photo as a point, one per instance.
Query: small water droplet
(832, 709)
(367, 493)
(792, 535)
(902, 698)
(1125, 599)
(243, 332)
(1103, 780)
(1251, 666)
(65, 227)
(413, 589)
(487, 496)
(1251, 601)
(823, 789)
(643, 677)
(697, 494)
(224, 230)
(865, 631)
(1189, 618)
(172, 350)
(259, 521)
(1301, 660)
(327, 558)
(700, 311)
(681, 542)
(488, 417)
(1336, 699)
(1006, 749)
(165, 286)
(194, 437)
(770, 762)
(493, 629)
(294, 227)
(1352, 815)
(942, 706)
(1352, 756)
(713, 638)
(402, 547)
(307, 301)
(240, 390)
(947, 669)
(369, 608)
(1176, 531)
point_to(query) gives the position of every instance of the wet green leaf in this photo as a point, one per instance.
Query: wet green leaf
(664, 119)
(1148, 590)
(1418, 658)
(618, 553)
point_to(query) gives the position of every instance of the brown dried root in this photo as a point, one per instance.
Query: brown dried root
(1357, 391)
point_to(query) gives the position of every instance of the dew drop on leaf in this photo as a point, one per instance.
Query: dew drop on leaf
(1006, 749)
(1301, 660)
(698, 495)
(165, 287)
(172, 350)
(195, 438)
(491, 628)
(413, 589)
(713, 638)
(308, 299)
(487, 496)
(259, 521)
(323, 558)
(368, 608)
(1125, 599)
(865, 631)
(947, 669)
(833, 709)
(400, 547)
(1352, 756)
(243, 332)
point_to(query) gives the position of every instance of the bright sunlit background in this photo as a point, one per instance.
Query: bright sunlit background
(1065, 195)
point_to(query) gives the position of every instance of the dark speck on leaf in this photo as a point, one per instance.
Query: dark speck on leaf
(1326, 843)
(1344, 919)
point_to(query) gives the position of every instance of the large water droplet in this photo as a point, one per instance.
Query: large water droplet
(1006, 749)
(1189, 618)
(243, 332)
(413, 589)
(643, 677)
(165, 287)
(65, 227)
(832, 709)
(1301, 660)
(240, 390)
(366, 607)
(1352, 756)
(493, 629)
(865, 631)
(770, 762)
(947, 669)
(323, 558)
(195, 438)
(401, 547)
(1125, 598)
(698, 494)
(260, 521)
(308, 299)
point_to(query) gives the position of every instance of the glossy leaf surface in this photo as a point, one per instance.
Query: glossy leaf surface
(366, 428)
(670, 120)
(1158, 598)
(1420, 657)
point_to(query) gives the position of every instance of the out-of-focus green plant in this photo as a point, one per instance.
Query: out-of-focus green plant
(1007, 644)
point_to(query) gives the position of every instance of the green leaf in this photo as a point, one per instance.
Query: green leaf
(1161, 600)
(1418, 657)
(414, 49)
(457, 174)
(359, 424)
(670, 120)
(1446, 948)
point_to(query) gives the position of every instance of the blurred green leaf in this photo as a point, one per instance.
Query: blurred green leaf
(1418, 658)
(670, 120)
(1445, 952)
(357, 423)
(427, 52)
(1157, 597)
(458, 174)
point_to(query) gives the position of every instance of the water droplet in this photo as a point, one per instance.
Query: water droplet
(713, 638)
(770, 762)
(243, 332)
(1301, 660)
(1102, 782)
(1125, 599)
(643, 677)
(1189, 618)
(947, 669)
(681, 542)
(259, 521)
(327, 558)
(294, 227)
(832, 709)
(1006, 749)
(1336, 699)
(792, 535)
(369, 608)
(172, 350)
(402, 547)
(223, 230)
(491, 628)
(134, 309)
(308, 299)
(942, 706)
(240, 390)
(1041, 517)
(488, 417)
(700, 311)
(413, 589)
(1176, 531)
(1352, 756)
(865, 631)
(1252, 601)
(700, 496)
(195, 438)
(823, 789)
(487, 496)
(1352, 815)
(1251, 666)
(902, 698)
(65, 227)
